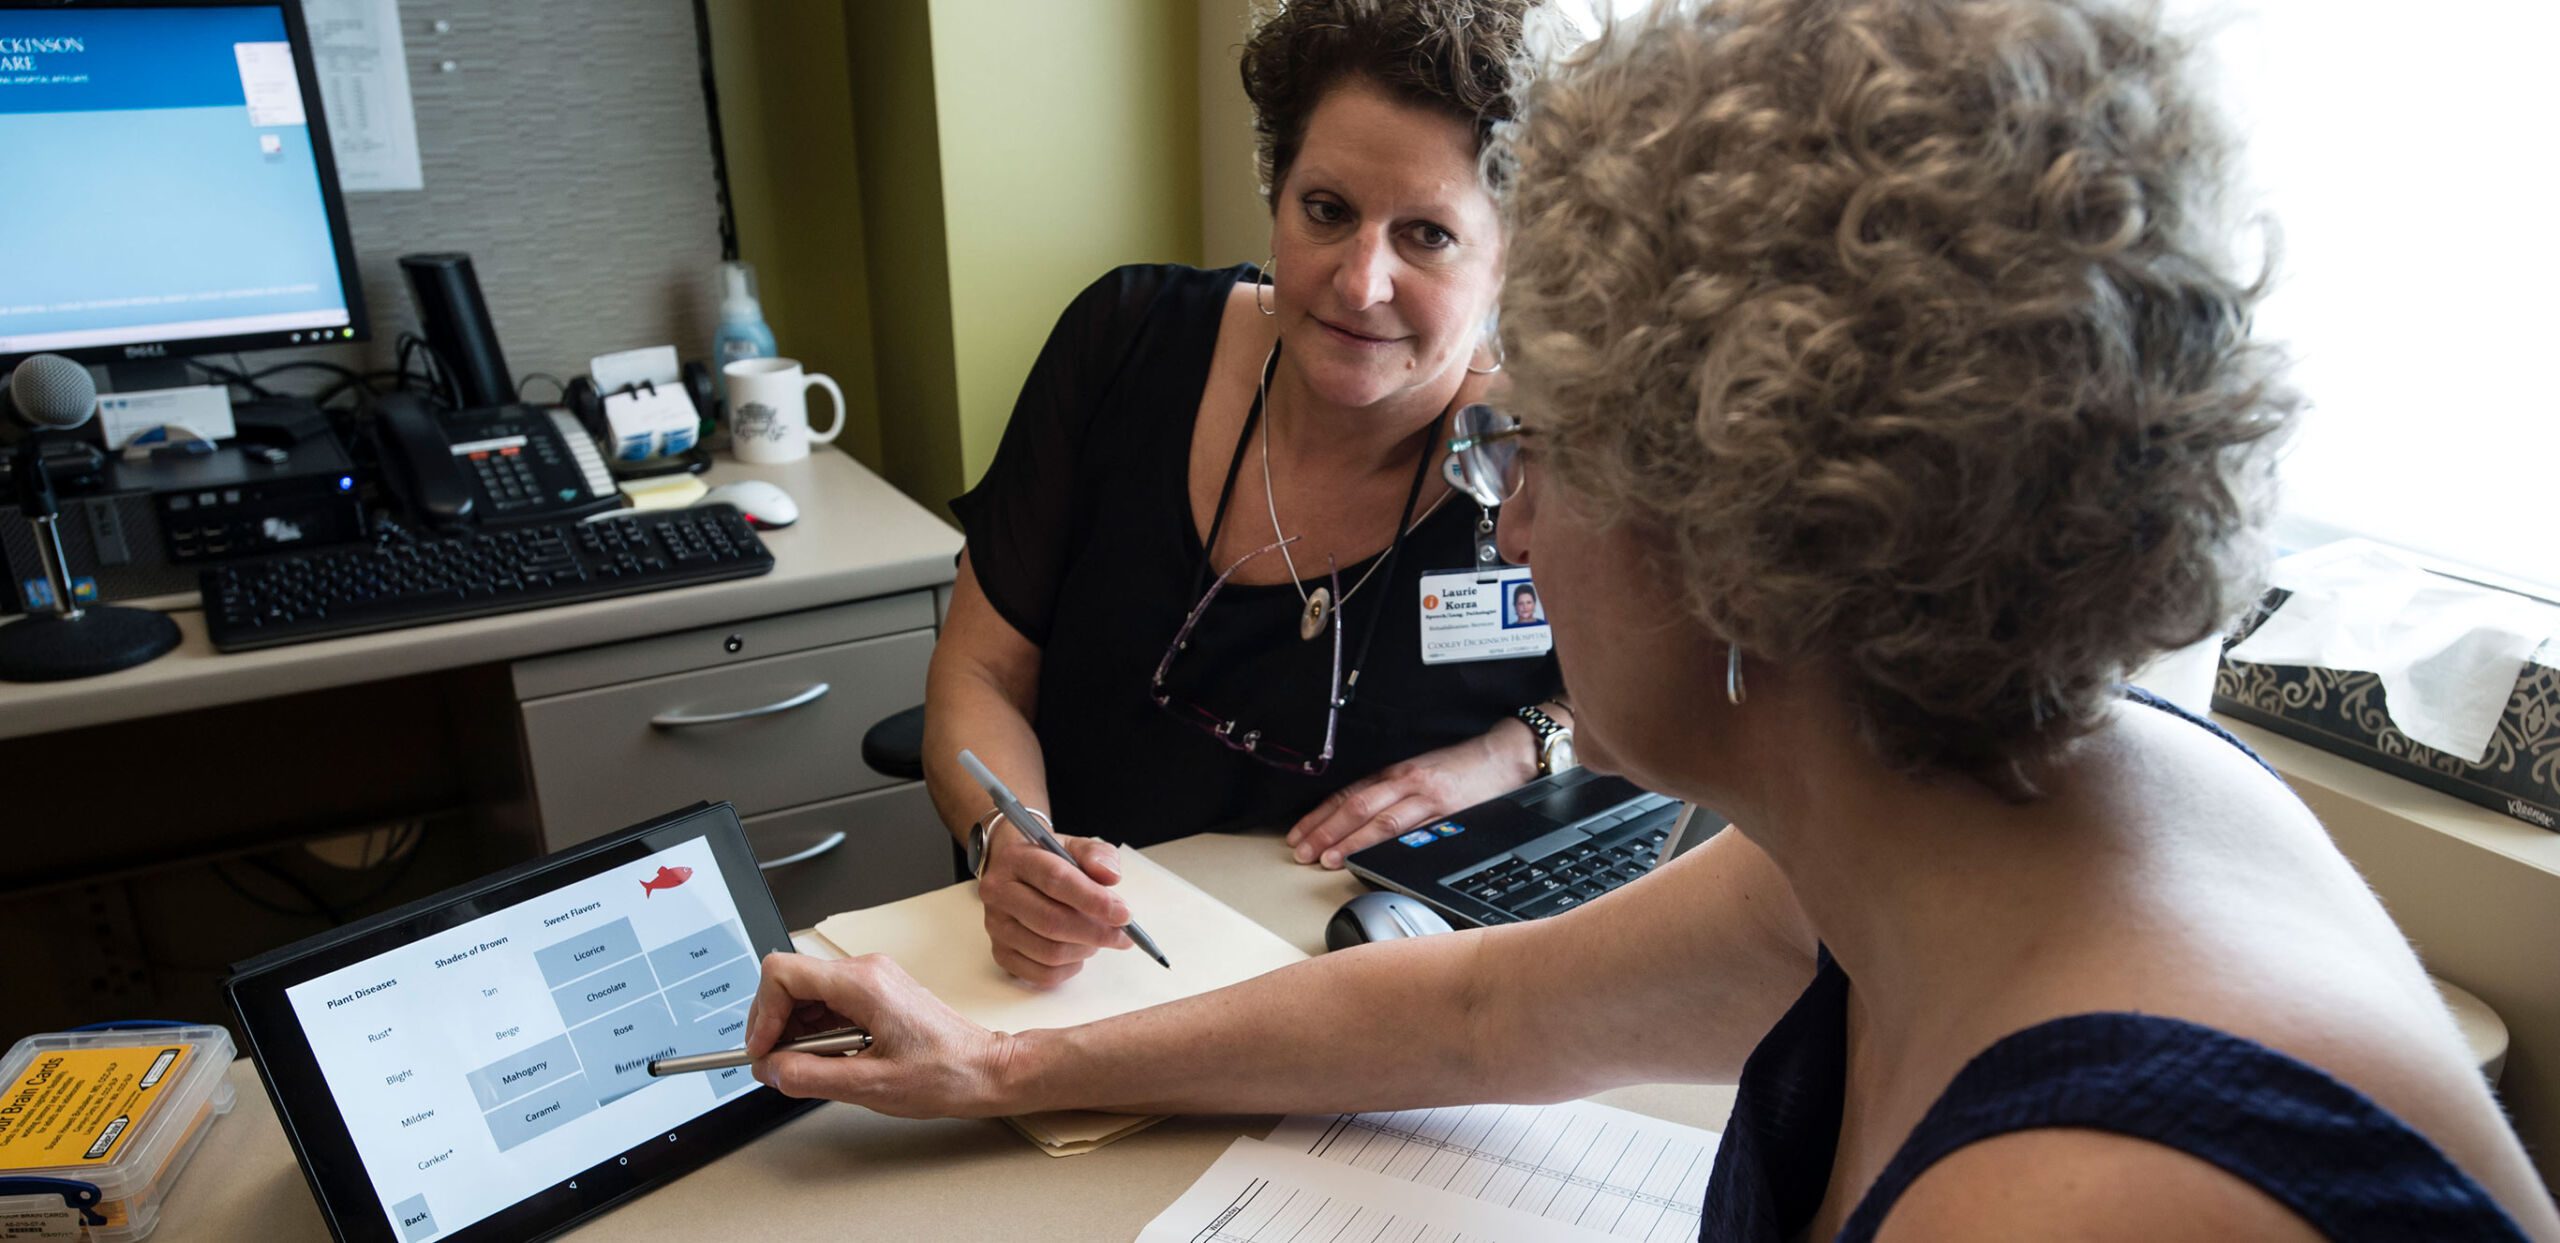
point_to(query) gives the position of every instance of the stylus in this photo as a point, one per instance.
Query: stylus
(841, 1040)
(1039, 835)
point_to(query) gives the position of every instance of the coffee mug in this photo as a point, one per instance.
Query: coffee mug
(769, 409)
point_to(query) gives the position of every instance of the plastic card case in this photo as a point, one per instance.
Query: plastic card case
(96, 1126)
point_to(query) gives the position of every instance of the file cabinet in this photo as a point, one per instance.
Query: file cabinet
(767, 715)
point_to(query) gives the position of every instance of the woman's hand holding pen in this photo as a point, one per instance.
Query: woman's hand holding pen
(1045, 918)
(925, 1061)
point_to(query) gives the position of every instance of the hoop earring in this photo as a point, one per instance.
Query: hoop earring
(1733, 673)
(1492, 334)
(1268, 280)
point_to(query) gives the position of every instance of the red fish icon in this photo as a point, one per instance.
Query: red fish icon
(667, 878)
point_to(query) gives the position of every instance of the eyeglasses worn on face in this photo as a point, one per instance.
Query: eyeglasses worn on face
(1232, 732)
(1484, 454)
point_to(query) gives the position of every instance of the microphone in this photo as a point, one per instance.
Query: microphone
(50, 391)
(54, 393)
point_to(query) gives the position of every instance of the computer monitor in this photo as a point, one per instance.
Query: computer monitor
(168, 187)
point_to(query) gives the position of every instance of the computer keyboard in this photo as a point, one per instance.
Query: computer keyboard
(1529, 884)
(331, 593)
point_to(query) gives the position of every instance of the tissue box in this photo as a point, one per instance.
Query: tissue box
(2343, 713)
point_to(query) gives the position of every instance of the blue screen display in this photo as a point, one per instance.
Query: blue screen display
(164, 184)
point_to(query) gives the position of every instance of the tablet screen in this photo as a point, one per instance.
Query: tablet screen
(485, 1055)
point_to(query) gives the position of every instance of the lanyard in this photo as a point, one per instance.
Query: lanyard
(1218, 522)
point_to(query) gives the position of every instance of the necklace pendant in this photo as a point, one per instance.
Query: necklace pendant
(1319, 609)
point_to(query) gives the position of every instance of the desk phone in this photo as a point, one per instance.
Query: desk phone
(492, 466)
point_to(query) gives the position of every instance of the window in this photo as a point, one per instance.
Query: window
(2402, 154)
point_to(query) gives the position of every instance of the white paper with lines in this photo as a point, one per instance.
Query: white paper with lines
(1622, 1174)
(1264, 1193)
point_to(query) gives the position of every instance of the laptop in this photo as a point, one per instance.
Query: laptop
(1549, 846)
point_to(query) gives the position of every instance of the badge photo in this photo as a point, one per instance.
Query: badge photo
(1521, 605)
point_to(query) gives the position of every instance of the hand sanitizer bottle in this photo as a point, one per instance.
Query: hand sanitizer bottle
(742, 331)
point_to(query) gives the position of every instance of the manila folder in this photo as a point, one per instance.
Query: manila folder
(940, 939)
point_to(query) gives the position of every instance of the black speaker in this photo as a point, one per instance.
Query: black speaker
(457, 323)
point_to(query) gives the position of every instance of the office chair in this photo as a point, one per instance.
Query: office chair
(895, 748)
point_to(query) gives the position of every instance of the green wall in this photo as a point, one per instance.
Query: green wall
(1070, 145)
(924, 184)
(1235, 224)
(787, 125)
(888, 45)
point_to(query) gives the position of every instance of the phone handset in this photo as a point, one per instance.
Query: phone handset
(417, 460)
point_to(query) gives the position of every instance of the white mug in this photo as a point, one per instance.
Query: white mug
(769, 409)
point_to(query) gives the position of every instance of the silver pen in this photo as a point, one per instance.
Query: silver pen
(1021, 818)
(841, 1040)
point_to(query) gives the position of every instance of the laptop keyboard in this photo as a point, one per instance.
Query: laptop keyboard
(1622, 846)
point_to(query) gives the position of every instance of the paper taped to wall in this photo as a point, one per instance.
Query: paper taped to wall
(364, 88)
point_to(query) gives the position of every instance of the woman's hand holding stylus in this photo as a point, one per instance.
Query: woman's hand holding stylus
(925, 1061)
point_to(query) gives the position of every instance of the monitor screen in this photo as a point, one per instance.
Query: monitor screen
(169, 184)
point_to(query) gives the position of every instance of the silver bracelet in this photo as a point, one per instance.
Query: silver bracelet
(982, 835)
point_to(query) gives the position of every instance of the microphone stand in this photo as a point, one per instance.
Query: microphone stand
(71, 641)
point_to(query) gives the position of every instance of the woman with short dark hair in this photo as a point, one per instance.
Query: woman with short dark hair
(1884, 396)
(1191, 594)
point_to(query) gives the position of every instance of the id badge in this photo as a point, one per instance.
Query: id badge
(1489, 614)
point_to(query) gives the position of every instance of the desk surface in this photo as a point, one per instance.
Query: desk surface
(841, 1170)
(856, 537)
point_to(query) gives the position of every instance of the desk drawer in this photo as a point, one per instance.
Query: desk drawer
(853, 852)
(760, 734)
(735, 643)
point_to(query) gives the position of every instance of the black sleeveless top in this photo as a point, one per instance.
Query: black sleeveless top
(2345, 1165)
(1081, 536)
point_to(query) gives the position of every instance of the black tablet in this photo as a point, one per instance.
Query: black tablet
(475, 1065)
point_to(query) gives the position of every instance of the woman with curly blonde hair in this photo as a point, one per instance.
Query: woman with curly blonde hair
(1884, 397)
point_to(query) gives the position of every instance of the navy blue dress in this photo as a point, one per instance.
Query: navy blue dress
(2341, 1162)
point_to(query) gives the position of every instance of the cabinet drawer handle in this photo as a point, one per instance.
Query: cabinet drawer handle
(832, 841)
(677, 720)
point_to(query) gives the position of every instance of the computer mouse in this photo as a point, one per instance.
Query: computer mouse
(1381, 916)
(763, 504)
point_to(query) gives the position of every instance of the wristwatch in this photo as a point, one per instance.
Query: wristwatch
(1554, 737)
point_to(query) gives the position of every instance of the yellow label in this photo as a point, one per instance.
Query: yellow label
(77, 1107)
